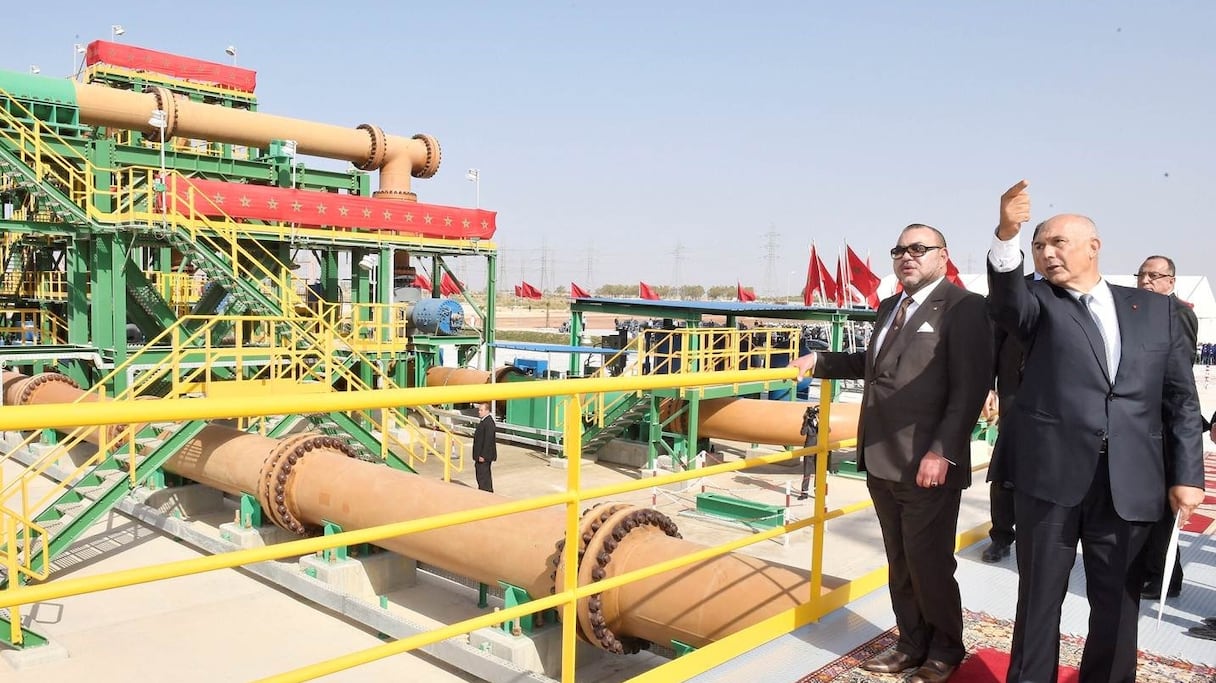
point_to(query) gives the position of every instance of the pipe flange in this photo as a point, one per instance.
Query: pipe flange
(397, 195)
(613, 524)
(434, 155)
(168, 104)
(377, 150)
(276, 472)
(29, 386)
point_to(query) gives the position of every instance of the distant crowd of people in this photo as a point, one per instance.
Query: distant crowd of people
(1206, 354)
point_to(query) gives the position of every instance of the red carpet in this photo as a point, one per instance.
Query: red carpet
(989, 666)
(1203, 521)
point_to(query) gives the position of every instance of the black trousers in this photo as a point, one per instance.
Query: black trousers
(918, 531)
(1000, 500)
(1047, 536)
(485, 481)
(1154, 555)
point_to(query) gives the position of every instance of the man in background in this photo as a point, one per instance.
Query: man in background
(485, 447)
(1157, 274)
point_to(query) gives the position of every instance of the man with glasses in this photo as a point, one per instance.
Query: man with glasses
(1156, 274)
(927, 370)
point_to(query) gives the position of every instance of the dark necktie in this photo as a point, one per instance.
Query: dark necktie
(897, 324)
(1088, 300)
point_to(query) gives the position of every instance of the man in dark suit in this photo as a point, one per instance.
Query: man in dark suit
(927, 370)
(1089, 437)
(485, 447)
(1156, 274)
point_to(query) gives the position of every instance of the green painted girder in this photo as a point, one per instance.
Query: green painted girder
(30, 638)
(230, 169)
(48, 229)
(109, 490)
(352, 428)
(284, 426)
(17, 354)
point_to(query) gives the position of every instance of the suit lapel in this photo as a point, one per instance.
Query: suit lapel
(1129, 330)
(885, 310)
(922, 313)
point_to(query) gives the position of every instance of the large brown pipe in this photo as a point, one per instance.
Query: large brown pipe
(367, 147)
(307, 479)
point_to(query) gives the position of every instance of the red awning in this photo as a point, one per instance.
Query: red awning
(215, 199)
(177, 66)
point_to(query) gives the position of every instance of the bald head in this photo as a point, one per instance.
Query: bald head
(1066, 247)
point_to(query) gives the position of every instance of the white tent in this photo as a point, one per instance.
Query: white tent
(1195, 289)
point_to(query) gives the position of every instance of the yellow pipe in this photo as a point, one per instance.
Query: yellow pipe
(14, 418)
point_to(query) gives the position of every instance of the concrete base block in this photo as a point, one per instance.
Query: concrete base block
(35, 656)
(254, 538)
(364, 577)
(540, 652)
(181, 502)
(563, 463)
(627, 453)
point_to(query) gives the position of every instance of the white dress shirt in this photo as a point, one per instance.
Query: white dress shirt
(917, 299)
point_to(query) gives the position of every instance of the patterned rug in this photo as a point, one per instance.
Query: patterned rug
(982, 632)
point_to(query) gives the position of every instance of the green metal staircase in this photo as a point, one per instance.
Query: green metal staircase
(624, 413)
(66, 518)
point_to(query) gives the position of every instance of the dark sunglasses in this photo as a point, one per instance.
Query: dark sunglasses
(917, 250)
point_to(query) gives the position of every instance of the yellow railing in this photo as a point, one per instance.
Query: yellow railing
(572, 499)
(693, 349)
(71, 177)
(91, 74)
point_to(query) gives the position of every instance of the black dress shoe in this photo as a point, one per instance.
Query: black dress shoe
(1206, 632)
(995, 552)
(933, 671)
(892, 662)
(1154, 592)
(1209, 621)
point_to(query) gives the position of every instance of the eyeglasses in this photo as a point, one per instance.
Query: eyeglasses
(1151, 277)
(917, 250)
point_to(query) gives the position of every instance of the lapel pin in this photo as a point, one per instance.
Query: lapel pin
(1135, 307)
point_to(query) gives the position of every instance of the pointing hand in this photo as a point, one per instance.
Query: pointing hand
(1015, 210)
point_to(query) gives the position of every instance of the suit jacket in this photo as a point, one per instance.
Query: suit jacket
(928, 389)
(485, 445)
(1190, 322)
(1068, 403)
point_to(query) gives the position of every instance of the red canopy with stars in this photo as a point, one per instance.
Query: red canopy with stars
(217, 199)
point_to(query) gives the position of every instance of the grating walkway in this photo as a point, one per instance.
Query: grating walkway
(991, 589)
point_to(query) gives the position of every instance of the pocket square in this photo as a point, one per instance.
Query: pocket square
(925, 327)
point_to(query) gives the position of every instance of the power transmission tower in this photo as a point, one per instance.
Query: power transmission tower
(770, 258)
(677, 256)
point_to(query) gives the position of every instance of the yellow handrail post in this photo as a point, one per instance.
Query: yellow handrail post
(573, 440)
(10, 561)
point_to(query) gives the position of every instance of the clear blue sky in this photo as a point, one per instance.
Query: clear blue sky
(611, 136)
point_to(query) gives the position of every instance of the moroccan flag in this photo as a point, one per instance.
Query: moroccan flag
(519, 291)
(448, 286)
(864, 279)
(841, 285)
(818, 280)
(952, 274)
(527, 291)
(422, 282)
(577, 292)
(645, 292)
(744, 294)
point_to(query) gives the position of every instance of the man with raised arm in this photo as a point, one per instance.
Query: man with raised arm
(1107, 395)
